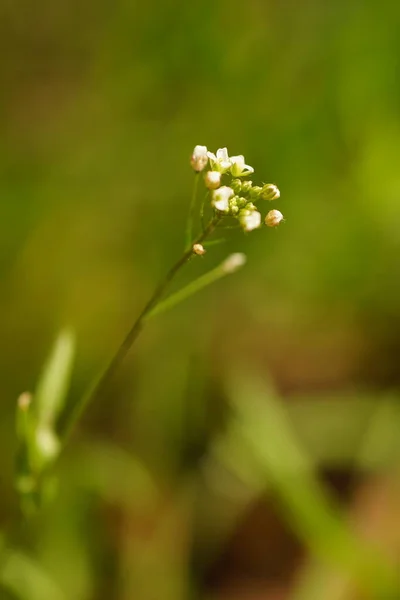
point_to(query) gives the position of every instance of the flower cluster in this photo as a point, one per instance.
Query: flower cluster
(231, 195)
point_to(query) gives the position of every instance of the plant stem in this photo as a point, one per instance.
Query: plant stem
(189, 226)
(104, 378)
(192, 288)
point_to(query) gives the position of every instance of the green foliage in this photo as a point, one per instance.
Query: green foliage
(102, 104)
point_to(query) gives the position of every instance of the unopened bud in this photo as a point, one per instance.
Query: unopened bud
(270, 192)
(212, 180)
(234, 262)
(236, 185)
(199, 249)
(199, 158)
(273, 218)
(238, 201)
(255, 192)
(246, 187)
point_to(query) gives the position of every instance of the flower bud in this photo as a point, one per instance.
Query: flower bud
(236, 185)
(198, 249)
(255, 192)
(212, 180)
(199, 158)
(246, 187)
(220, 198)
(239, 201)
(234, 262)
(270, 192)
(273, 218)
(249, 219)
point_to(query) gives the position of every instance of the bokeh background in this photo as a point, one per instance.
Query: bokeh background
(249, 446)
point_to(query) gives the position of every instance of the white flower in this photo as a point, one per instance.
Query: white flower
(199, 158)
(212, 180)
(239, 168)
(220, 162)
(234, 262)
(273, 218)
(250, 219)
(220, 198)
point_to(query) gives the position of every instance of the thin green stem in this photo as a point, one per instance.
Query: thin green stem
(190, 220)
(101, 382)
(202, 210)
(189, 290)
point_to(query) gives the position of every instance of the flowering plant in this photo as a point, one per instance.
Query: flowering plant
(229, 196)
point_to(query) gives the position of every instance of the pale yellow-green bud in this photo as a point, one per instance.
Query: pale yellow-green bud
(246, 187)
(198, 249)
(255, 192)
(270, 192)
(212, 179)
(199, 158)
(273, 218)
(236, 185)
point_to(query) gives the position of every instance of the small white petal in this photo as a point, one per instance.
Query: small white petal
(239, 168)
(222, 154)
(221, 205)
(247, 170)
(220, 198)
(251, 221)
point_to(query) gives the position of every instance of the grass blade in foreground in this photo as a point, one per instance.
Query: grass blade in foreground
(307, 508)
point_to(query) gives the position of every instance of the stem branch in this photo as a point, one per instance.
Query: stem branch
(189, 226)
(102, 381)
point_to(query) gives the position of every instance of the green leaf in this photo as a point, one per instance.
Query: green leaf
(25, 578)
(53, 385)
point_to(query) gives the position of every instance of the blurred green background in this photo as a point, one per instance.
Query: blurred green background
(161, 493)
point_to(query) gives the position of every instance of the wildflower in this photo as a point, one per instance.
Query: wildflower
(199, 158)
(270, 192)
(220, 198)
(221, 161)
(198, 249)
(239, 168)
(249, 219)
(212, 180)
(273, 218)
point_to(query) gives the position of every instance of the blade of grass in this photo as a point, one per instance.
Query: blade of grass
(311, 513)
(25, 578)
(53, 385)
